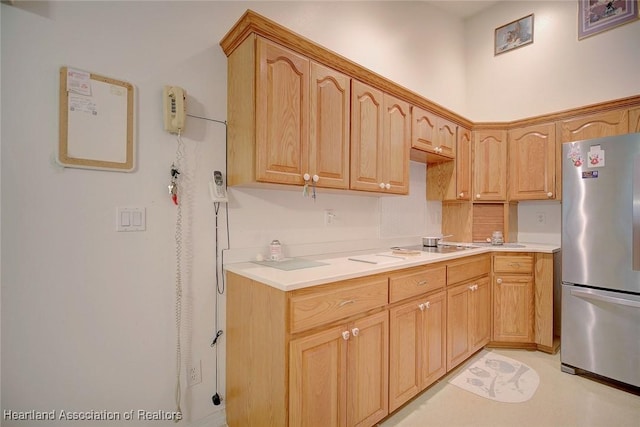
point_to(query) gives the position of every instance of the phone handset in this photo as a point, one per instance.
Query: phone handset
(174, 108)
(216, 188)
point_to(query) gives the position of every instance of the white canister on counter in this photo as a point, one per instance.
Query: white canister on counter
(275, 250)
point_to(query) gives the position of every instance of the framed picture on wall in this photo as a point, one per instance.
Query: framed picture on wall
(513, 35)
(596, 16)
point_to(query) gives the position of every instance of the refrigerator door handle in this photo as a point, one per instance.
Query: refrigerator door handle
(613, 300)
(635, 238)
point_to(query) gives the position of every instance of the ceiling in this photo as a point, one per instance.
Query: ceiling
(463, 8)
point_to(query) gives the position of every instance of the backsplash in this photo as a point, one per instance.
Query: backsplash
(360, 222)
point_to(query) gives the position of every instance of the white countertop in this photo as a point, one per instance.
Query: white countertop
(340, 267)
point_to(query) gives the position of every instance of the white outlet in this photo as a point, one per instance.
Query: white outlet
(541, 218)
(329, 217)
(194, 374)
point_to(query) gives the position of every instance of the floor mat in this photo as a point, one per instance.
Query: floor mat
(498, 378)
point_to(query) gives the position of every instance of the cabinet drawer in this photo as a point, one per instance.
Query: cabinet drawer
(315, 308)
(416, 281)
(513, 263)
(468, 268)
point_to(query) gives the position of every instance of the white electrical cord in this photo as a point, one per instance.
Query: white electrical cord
(178, 239)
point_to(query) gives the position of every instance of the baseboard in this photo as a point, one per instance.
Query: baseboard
(216, 419)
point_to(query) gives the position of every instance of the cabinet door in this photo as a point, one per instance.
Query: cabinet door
(458, 332)
(368, 371)
(513, 308)
(480, 313)
(447, 133)
(597, 125)
(405, 334)
(396, 145)
(366, 137)
(317, 366)
(423, 130)
(463, 165)
(282, 114)
(490, 165)
(634, 120)
(432, 134)
(330, 95)
(417, 355)
(433, 340)
(532, 163)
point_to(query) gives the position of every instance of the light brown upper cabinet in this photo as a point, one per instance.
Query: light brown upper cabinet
(463, 165)
(329, 133)
(432, 134)
(597, 125)
(489, 165)
(451, 180)
(532, 163)
(287, 117)
(634, 120)
(380, 141)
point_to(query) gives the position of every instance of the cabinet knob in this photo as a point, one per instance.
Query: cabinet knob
(461, 195)
(345, 335)
(549, 194)
(473, 287)
(316, 178)
(478, 196)
(381, 185)
(355, 332)
(306, 177)
(387, 186)
(498, 281)
(421, 307)
(427, 304)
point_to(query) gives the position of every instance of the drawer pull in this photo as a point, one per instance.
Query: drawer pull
(343, 303)
(515, 264)
(422, 283)
(473, 287)
(345, 335)
(355, 332)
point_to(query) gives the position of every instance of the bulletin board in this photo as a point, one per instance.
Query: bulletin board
(96, 122)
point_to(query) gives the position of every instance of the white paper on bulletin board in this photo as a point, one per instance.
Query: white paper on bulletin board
(96, 122)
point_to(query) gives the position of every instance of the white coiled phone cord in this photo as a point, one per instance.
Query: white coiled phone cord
(178, 238)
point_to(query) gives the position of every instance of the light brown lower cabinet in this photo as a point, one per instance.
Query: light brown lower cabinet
(513, 298)
(468, 319)
(338, 377)
(349, 353)
(417, 355)
(526, 306)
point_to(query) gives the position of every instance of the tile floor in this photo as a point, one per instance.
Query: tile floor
(562, 400)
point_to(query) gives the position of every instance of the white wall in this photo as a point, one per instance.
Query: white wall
(87, 313)
(554, 73)
(88, 319)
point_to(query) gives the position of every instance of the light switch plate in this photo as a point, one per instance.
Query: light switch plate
(131, 219)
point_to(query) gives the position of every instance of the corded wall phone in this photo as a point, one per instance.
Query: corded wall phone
(217, 189)
(174, 108)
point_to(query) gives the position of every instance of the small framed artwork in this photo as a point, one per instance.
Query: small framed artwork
(596, 16)
(513, 35)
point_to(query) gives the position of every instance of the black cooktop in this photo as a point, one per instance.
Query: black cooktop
(440, 249)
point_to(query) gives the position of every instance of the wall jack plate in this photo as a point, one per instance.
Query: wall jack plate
(194, 373)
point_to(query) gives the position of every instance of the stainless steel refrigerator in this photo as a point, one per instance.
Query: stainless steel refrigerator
(600, 330)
